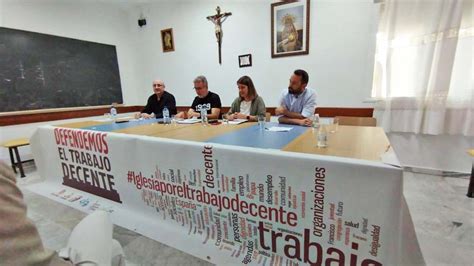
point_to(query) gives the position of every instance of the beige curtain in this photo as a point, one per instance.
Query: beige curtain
(423, 77)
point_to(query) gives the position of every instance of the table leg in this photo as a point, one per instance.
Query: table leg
(19, 163)
(470, 189)
(12, 160)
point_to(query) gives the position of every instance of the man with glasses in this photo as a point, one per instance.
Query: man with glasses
(297, 103)
(205, 99)
(158, 101)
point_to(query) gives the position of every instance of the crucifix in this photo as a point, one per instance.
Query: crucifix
(218, 19)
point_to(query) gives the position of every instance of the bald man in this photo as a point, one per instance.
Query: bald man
(158, 101)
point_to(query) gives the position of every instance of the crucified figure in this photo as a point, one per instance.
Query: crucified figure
(218, 19)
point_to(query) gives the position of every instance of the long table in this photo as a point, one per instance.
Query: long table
(233, 194)
(358, 142)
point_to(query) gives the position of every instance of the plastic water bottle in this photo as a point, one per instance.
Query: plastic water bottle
(316, 122)
(113, 113)
(322, 137)
(166, 115)
(204, 117)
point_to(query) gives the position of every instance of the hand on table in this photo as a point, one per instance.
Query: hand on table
(239, 116)
(192, 114)
(143, 115)
(306, 122)
(180, 115)
(281, 111)
(147, 116)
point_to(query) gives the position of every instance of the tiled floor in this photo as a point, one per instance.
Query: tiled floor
(55, 222)
(443, 218)
(442, 214)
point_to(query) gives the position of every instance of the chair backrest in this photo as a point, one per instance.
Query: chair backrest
(357, 121)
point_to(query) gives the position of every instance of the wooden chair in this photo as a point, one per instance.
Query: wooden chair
(12, 146)
(357, 121)
(470, 189)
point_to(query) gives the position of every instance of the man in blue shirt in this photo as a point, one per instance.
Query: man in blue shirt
(297, 104)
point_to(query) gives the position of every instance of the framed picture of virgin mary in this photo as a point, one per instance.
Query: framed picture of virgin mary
(167, 40)
(290, 28)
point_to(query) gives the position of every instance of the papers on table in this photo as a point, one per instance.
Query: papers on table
(125, 118)
(103, 120)
(189, 121)
(237, 121)
(279, 129)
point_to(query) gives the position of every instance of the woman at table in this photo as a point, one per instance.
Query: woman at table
(248, 105)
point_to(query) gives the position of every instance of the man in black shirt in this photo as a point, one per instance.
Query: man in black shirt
(158, 101)
(205, 99)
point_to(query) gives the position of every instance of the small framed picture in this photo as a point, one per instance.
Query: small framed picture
(167, 40)
(245, 60)
(290, 28)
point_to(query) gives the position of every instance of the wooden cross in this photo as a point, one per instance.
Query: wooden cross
(218, 19)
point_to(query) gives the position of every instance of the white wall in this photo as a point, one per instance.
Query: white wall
(106, 23)
(341, 44)
(1, 12)
(340, 60)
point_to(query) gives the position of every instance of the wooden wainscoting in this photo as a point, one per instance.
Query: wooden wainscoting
(34, 116)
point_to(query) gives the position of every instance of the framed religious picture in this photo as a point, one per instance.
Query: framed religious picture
(167, 40)
(245, 60)
(290, 28)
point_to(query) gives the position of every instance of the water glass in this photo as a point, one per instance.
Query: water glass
(261, 122)
(225, 119)
(204, 119)
(173, 120)
(335, 125)
(322, 137)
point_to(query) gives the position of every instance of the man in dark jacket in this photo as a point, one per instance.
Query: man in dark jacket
(158, 101)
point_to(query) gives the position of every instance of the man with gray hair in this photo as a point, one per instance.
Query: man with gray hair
(205, 99)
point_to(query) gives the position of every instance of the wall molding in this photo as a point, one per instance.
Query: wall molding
(18, 118)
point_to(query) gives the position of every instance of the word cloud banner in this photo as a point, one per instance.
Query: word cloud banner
(231, 205)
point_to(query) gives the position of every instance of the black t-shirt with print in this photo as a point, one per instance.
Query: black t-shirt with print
(211, 100)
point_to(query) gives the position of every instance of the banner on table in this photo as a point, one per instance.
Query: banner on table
(229, 204)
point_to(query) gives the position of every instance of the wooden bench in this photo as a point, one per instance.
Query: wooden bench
(12, 146)
(470, 189)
